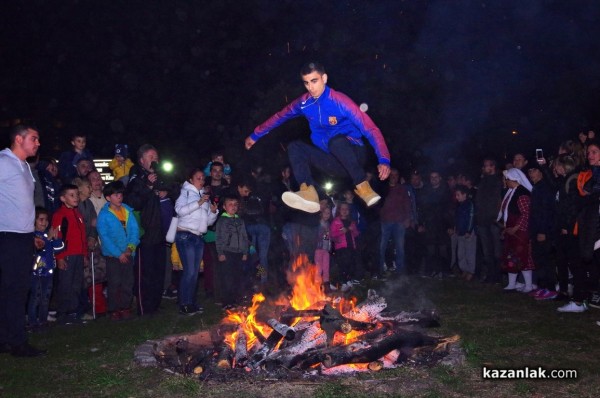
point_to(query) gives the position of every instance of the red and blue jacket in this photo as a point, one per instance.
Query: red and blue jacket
(333, 113)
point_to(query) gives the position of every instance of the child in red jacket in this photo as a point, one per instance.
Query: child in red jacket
(70, 262)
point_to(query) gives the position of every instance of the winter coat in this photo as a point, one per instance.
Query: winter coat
(144, 200)
(338, 237)
(488, 199)
(465, 218)
(71, 229)
(44, 258)
(543, 210)
(193, 217)
(120, 170)
(50, 187)
(231, 235)
(397, 205)
(114, 238)
(588, 220)
(568, 204)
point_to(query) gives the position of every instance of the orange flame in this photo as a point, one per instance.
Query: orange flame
(306, 282)
(247, 321)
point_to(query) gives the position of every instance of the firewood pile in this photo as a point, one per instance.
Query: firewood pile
(308, 332)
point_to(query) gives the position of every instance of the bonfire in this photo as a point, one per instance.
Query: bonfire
(306, 331)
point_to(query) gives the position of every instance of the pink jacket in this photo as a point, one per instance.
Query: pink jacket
(338, 237)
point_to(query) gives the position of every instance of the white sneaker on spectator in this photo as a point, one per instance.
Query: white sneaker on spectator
(572, 307)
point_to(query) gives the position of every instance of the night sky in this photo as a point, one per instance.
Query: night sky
(441, 78)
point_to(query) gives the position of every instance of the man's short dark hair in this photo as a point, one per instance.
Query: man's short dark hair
(19, 129)
(311, 67)
(77, 134)
(113, 187)
(85, 160)
(67, 187)
(216, 164)
(491, 160)
(143, 149)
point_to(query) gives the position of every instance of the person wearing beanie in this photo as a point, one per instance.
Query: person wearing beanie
(121, 164)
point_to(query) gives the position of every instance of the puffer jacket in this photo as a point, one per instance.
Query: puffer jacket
(193, 217)
(114, 238)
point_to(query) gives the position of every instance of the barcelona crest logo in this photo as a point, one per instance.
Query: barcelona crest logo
(332, 120)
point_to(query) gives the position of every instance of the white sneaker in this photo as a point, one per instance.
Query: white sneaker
(509, 287)
(332, 287)
(572, 307)
(519, 285)
(346, 286)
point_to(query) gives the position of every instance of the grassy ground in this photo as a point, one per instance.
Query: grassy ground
(498, 330)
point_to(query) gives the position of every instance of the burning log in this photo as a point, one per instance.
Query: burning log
(259, 336)
(241, 348)
(291, 314)
(312, 337)
(369, 309)
(355, 354)
(259, 356)
(426, 319)
(287, 331)
(375, 366)
(332, 321)
(225, 358)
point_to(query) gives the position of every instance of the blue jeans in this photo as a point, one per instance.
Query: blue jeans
(190, 248)
(39, 299)
(260, 235)
(344, 159)
(396, 231)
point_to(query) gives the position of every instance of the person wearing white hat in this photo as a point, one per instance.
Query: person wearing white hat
(514, 214)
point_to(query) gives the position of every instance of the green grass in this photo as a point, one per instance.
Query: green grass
(497, 330)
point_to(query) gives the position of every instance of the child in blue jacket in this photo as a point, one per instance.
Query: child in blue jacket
(119, 236)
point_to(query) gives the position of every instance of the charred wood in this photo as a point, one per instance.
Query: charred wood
(241, 349)
(286, 331)
(399, 339)
(225, 358)
(259, 356)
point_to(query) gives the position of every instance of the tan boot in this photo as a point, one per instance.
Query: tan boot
(367, 194)
(306, 199)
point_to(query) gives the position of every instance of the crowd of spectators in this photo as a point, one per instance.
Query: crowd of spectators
(532, 226)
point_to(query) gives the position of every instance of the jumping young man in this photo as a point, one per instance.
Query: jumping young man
(337, 129)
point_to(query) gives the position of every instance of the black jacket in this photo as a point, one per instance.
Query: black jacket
(144, 200)
(543, 211)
